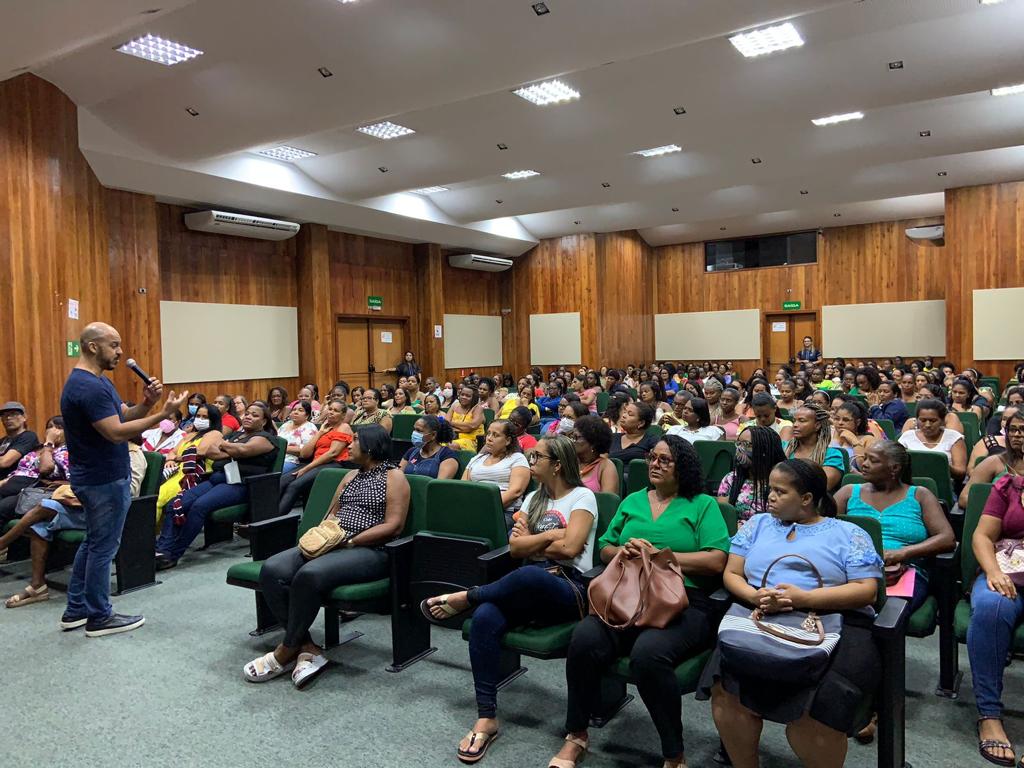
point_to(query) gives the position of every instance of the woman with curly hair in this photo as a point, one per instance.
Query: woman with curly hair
(673, 514)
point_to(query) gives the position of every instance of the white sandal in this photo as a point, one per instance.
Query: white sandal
(307, 668)
(561, 762)
(265, 668)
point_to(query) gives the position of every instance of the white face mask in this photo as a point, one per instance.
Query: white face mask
(201, 424)
(447, 394)
(566, 425)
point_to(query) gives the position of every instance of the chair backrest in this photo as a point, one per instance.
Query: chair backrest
(402, 424)
(282, 452)
(471, 510)
(889, 427)
(852, 478)
(321, 495)
(488, 417)
(977, 495)
(654, 431)
(935, 465)
(620, 468)
(464, 457)
(993, 382)
(846, 460)
(602, 402)
(607, 506)
(731, 517)
(873, 528)
(417, 517)
(911, 408)
(533, 429)
(154, 474)
(972, 428)
(716, 458)
(926, 482)
(638, 476)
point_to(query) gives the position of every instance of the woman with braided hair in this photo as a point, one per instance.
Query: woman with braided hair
(812, 440)
(758, 450)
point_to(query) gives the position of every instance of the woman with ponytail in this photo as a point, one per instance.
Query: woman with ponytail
(818, 714)
(554, 534)
(812, 440)
(430, 454)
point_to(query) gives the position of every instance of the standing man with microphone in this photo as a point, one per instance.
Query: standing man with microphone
(97, 428)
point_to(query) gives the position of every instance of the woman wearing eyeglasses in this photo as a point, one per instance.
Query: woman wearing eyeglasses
(673, 514)
(554, 533)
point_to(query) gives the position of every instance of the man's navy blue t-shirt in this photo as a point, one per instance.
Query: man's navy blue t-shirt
(94, 460)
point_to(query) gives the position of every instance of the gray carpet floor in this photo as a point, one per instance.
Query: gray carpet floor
(172, 694)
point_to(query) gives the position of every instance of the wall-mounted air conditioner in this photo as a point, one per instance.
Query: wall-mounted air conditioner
(240, 225)
(480, 262)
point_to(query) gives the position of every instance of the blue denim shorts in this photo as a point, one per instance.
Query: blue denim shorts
(66, 519)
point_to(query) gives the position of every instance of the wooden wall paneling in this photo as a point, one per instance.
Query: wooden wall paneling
(625, 321)
(317, 354)
(470, 292)
(430, 289)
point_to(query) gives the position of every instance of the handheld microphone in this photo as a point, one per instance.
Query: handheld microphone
(137, 370)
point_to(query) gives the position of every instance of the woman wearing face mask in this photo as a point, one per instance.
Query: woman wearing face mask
(758, 450)
(570, 412)
(186, 466)
(328, 447)
(430, 455)
(194, 401)
(165, 436)
(297, 430)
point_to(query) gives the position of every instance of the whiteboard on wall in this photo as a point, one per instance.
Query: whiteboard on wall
(472, 341)
(555, 339)
(885, 329)
(725, 335)
(994, 310)
(228, 342)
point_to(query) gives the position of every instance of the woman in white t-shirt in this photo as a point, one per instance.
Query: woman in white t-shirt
(554, 534)
(297, 431)
(931, 435)
(696, 424)
(501, 461)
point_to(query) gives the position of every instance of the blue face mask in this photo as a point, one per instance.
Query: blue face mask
(192, 410)
(417, 438)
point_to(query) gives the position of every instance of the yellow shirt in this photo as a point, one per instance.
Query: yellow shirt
(464, 441)
(511, 404)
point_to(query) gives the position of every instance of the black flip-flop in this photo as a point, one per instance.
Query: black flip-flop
(475, 757)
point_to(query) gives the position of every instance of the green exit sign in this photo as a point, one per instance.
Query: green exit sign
(74, 350)
(375, 302)
(791, 305)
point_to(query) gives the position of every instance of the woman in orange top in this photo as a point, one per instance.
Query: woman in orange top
(327, 448)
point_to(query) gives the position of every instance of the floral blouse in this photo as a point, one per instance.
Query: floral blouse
(29, 464)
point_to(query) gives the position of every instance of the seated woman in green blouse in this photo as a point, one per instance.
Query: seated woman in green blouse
(673, 514)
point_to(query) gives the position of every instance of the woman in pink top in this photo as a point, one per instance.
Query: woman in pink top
(592, 438)
(728, 419)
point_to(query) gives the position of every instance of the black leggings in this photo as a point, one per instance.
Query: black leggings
(295, 587)
(295, 488)
(653, 657)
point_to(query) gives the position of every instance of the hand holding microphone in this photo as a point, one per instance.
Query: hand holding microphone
(153, 388)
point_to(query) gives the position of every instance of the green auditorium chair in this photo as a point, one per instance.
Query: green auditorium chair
(716, 458)
(936, 466)
(602, 402)
(464, 457)
(401, 433)
(911, 409)
(264, 494)
(621, 469)
(972, 428)
(888, 427)
(488, 417)
(638, 476)
(992, 382)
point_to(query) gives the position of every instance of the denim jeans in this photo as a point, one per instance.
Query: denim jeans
(529, 594)
(105, 507)
(993, 621)
(197, 503)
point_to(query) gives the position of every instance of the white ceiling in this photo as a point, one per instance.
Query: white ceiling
(446, 68)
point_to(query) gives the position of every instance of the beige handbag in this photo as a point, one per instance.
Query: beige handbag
(321, 539)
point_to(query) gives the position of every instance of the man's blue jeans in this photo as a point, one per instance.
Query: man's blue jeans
(106, 507)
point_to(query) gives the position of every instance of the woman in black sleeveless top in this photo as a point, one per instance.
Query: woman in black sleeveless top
(253, 449)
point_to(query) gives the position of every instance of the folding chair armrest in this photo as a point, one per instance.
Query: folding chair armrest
(400, 552)
(496, 563)
(592, 574)
(272, 535)
(264, 495)
(891, 621)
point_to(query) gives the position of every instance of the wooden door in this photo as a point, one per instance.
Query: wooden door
(804, 325)
(387, 348)
(353, 352)
(778, 331)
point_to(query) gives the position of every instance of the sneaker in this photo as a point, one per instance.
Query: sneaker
(69, 622)
(113, 624)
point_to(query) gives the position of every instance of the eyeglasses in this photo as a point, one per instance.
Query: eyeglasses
(535, 457)
(1011, 430)
(661, 460)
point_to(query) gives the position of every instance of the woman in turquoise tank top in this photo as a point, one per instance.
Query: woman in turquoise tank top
(914, 526)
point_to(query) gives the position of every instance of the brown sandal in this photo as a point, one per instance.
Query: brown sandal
(27, 596)
(484, 739)
(561, 762)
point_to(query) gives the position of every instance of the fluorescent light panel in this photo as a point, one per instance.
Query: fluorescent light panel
(1008, 90)
(656, 151)
(549, 92)
(515, 175)
(153, 48)
(286, 153)
(768, 40)
(385, 130)
(833, 119)
(428, 190)
(990, 2)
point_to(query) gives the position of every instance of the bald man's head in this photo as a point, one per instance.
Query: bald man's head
(102, 343)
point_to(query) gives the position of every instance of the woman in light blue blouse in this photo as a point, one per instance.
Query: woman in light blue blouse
(818, 716)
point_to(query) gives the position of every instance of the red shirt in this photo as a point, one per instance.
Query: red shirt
(323, 444)
(230, 422)
(527, 441)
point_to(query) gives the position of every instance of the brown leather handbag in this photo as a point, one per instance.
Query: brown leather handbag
(642, 591)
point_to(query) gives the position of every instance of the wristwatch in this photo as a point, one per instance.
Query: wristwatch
(49, 445)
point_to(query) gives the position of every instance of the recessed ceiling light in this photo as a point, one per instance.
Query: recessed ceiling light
(605, 184)
(548, 92)
(503, 146)
(924, 134)
(722, 229)
(804, 192)
(768, 40)
(286, 153)
(943, 173)
(385, 130)
(383, 169)
(153, 48)
(656, 151)
(515, 175)
(325, 72)
(192, 111)
(679, 110)
(346, 2)
(755, 160)
(1008, 90)
(675, 210)
(833, 119)
(991, 2)
(540, 8)
(837, 215)
(428, 190)
(898, 64)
